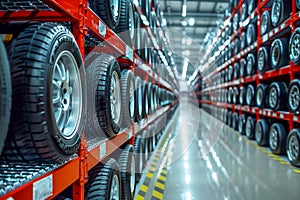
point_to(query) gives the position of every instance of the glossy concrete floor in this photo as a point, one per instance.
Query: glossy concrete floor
(210, 161)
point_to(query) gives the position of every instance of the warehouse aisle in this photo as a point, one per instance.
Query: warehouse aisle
(218, 163)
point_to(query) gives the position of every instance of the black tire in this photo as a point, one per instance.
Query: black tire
(5, 95)
(294, 96)
(262, 132)
(250, 95)
(235, 22)
(280, 11)
(235, 96)
(249, 128)
(139, 150)
(126, 27)
(36, 96)
(145, 102)
(241, 124)
(263, 60)
(229, 118)
(102, 180)
(145, 140)
(146, 7)
(244, 14)
(277, 138)
(144, 44)
(251, 64)
(235, 119)
(294, 46)
(230, 73)
(298, 4)
(229, 95)
(251, 33)
(106, 11)
(236, 70)
(127, 165)
(138, 99)
(128, 98)
(279, 53)
(242, 95)
(243, 64)
(261, 95)
(237, 46)
(251, 6)
(243, 40)
(277, 94)
(293, 147)
(137, 25)
(265, 24)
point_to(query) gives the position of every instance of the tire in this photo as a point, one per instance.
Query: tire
(139, 150)
(146, 7)
(250, 95)
(251, 6)
(35, 74)
(144, 43)
(5, 95)
(243, 64)
(126, 27)
(128, 98)
(229, 119)
(127, 165)
(229, 95)
(251, 33)
(262, 132)
(279, 53)
(235, 23)
(249, 129)
(139, 99)
(137, 25)
(236, 70)
(104, 182)
(244, 14)
(261, 95)
(241, 124)
(145, 102)
(251, 63)
(108, 11)
(265, 24)
(230, 73)
(237, 46)
(263, 60)
(145, 139)
(294, 46)
(277, 94)
(280, 11)
(293, 147)
(242, 95)
(235, 95)
(294, 96)
(243, 40)
(235, 119)
(277, 138)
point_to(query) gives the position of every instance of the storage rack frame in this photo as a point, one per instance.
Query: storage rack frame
(85, 23)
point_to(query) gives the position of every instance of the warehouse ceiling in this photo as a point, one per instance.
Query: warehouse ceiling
(188, 34)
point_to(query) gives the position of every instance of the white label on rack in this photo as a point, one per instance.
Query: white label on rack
(102, 150)
(10, 198)
(276, 30)
(265, 38)
(129, 53)
(43, 188)
(281, 116)
(271, 34)
(282, 26)
(252, 15)
(242, 80)
(130, 133)
(253, 110)
(269, 113)
(295, 118)
(260, 112)
(264, 112)
(102, 29)
(238, 56)
(274, 114)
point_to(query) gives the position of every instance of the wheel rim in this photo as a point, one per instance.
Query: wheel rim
(66, 94)
(241, 124)
(259, 97)
(264, 23)
(132, 175)
(258, 133)
(249, 96)
(273, 97)
(294, 97)
(131, 100)
(293, 148)
(250, 34)
(248, 128)
(114, 9)
(131, 22)
(276, 12)
(140, 101)
(141, 159)
(275, 54)
(295, 47)
(261, 60)
(241, 97)
(273, 138)
(115, 187)
(115, 97)
(249, 65)
(236, 22)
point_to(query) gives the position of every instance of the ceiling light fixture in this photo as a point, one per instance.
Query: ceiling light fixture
(191, 21)
(184, 8)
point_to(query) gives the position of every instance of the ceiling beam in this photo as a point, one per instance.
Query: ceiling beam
(193, 14)
(178, 24)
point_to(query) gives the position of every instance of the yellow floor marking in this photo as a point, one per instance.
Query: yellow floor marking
(144, 188)
(283, 162)
(149, 174)
(162, 178)
(160, 185)
(272, 155)
(139, 197)
(297, 171)
(152, 169)
(277, 158)
(157, 194)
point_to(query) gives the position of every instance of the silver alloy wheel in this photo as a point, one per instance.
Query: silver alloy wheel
(115, 97)
(295, 46)
(132, 175)
(275, 14)
(264, 23)
(115, 188)
(258, 132)
(114, 8)
(293, 148)
(131, 100)
(294, 97)
(66, 94)
(275, 54)
(261, 60)
(273, 97)
(273, 138)
(131, 22)
(248, 128)
(259, 97)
